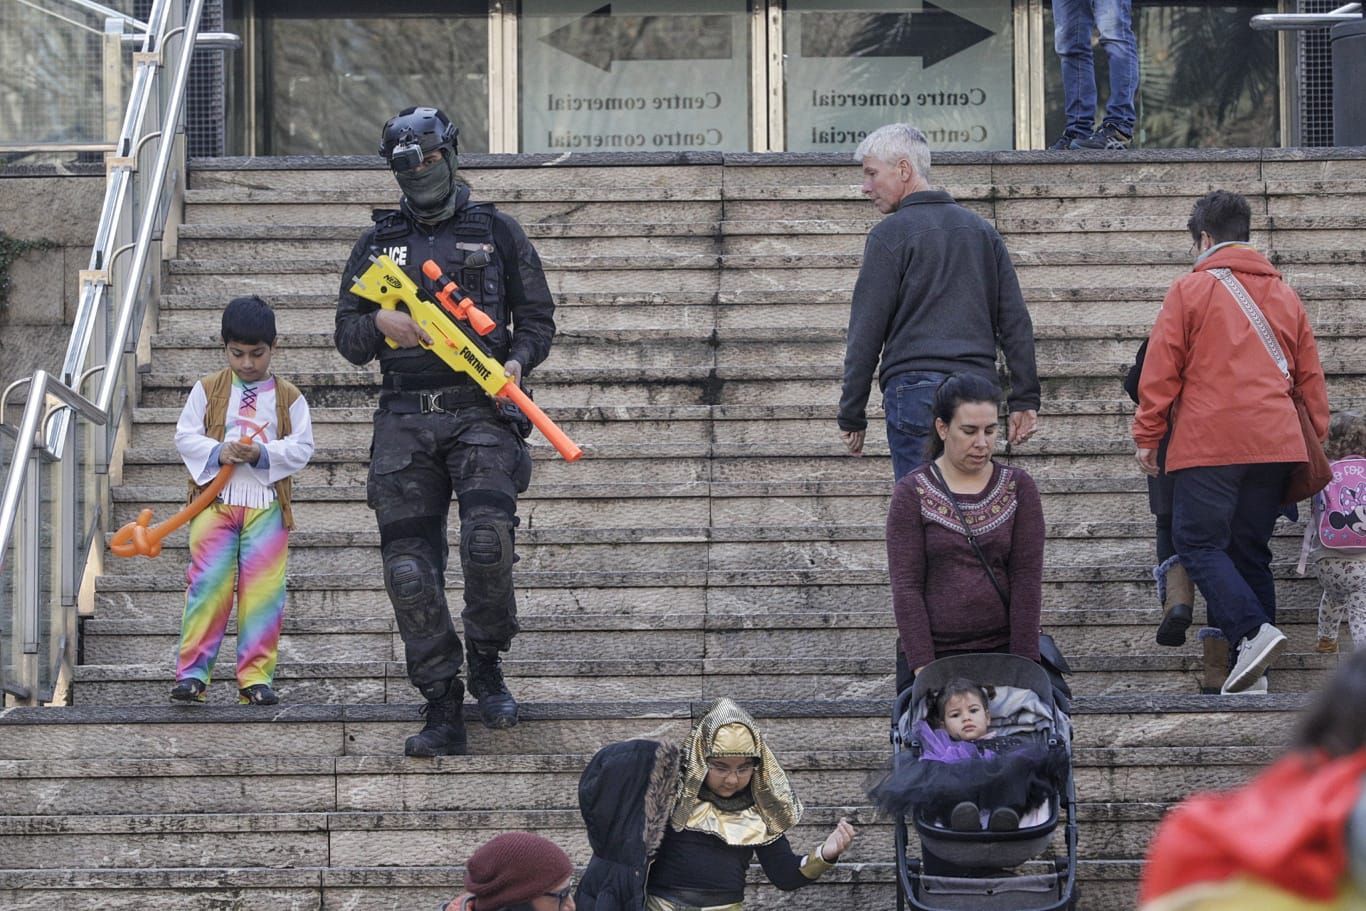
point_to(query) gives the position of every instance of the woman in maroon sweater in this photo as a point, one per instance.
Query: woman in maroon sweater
(945, 604)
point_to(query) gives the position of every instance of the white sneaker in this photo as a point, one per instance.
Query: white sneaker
(1258, 688)
(1255, 652)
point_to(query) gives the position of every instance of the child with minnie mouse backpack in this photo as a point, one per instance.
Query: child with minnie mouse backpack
(1335, 538)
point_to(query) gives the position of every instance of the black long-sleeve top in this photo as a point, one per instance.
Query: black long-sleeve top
(698, 862)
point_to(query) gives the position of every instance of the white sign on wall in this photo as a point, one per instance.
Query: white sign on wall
(634, 76)
(854, 66)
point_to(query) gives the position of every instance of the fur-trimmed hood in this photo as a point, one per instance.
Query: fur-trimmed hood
(626, 795)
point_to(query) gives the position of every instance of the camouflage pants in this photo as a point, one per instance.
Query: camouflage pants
(417, 463)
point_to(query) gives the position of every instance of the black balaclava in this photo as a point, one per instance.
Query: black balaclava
(431, 195)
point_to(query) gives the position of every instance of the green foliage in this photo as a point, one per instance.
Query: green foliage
(11, 248)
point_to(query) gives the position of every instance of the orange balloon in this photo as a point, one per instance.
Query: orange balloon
(141, 538)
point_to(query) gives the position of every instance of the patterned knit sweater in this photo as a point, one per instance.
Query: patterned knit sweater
(941, 595)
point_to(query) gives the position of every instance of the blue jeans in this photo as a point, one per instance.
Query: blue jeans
(908, 403)
(1222, 518)
(1073, 22)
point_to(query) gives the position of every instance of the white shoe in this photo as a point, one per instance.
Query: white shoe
(1255, 652)
(1258, 688)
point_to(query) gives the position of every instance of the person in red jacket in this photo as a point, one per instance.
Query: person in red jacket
(1291, 838)
(1212, 377)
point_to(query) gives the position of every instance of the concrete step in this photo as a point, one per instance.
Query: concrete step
(1081, 595)
(702, 548)
(319, 507)
(709, 272)
(1102, 886)
(357, 681)
(249, 732)
(695, 424)
(774, 384)
(483, 172)
(674, 463)
(761, 173)
(1158, 235)
(1120, 184)
(398, 839)
(553, 241)
(1334, 299)
(375, 784)
(728, 348)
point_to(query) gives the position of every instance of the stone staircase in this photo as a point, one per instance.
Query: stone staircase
(714, 541)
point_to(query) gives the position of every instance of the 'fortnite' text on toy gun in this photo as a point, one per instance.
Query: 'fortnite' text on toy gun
(384, 283)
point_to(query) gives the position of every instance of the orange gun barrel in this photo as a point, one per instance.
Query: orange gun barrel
(557, 437)
(456, 302)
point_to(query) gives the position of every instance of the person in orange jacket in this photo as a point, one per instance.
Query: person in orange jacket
(1283, 841)
(1214, 380)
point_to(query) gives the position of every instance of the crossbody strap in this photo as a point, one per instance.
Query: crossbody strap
(1256, 318)
(972, 539)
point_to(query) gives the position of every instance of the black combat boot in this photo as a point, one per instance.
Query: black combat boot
(496, 706)
(444, 732)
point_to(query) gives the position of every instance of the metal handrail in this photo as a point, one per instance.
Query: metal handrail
(117, 191)
(1351, 12)
(137, 203)
(110, 13)
(41, 386)
(151, 213)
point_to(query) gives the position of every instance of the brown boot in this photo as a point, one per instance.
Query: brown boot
(1178, 595)
(1216, 661)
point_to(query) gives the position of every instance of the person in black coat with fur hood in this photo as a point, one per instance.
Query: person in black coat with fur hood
(675, 829)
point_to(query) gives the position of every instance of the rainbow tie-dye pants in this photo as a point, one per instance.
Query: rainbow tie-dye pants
(241, 549)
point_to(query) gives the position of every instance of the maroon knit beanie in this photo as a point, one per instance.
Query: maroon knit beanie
(515, 867)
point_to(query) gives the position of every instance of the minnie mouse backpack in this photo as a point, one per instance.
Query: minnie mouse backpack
(1340, 508)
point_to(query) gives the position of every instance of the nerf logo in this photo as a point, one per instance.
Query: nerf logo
(474, 362)
(393, 282)
(398, 254)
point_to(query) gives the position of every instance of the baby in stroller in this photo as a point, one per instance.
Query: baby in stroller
(981, 773)
(967, 777)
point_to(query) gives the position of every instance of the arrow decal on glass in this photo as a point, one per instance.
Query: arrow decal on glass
(934, 34)
(600, 38)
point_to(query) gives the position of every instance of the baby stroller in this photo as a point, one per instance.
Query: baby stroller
(989, 870)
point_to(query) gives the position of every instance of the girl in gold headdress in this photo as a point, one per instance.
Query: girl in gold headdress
(731, 802)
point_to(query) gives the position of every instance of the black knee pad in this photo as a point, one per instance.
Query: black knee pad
(410, 576)
(413, 555)
(486, 543)
(486, 532)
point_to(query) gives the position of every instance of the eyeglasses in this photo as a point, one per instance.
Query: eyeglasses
(561, 896)
(720, 768)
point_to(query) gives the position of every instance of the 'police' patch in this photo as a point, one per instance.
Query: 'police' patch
(398, 254)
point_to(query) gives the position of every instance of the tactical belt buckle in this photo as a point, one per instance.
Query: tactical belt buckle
(430, 402)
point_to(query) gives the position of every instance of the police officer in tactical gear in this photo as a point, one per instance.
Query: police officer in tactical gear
(437, 434)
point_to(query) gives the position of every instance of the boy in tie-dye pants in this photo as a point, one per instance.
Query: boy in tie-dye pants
(245, 417)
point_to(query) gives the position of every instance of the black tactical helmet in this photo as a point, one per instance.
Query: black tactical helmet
(409, 136)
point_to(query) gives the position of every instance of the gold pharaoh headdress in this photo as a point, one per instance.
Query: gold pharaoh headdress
(728, 730)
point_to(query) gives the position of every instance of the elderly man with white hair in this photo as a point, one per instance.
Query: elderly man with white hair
(936, 294)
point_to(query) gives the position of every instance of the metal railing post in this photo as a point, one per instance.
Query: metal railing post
(111, 60)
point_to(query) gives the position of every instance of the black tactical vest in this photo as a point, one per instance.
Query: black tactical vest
(466, 249)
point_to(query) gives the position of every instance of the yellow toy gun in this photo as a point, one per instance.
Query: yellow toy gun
(384, 283)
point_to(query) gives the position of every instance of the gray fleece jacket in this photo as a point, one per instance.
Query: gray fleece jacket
(936, 292)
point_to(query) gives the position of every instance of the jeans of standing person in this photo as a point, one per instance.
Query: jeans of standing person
(1073, 22)
(1222, 519)
(908, 403)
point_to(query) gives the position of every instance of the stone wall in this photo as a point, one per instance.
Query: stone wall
(60, 203)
